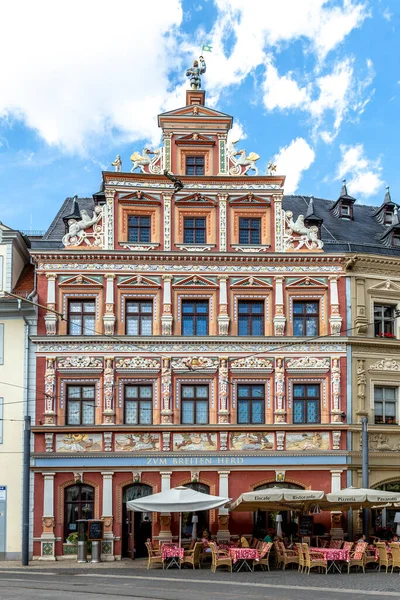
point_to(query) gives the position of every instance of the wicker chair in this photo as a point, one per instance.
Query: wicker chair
(335, 544)
(306, 540)
(357, 557)
(313, 560)
(288, 557)
(384, 559)
(263, 560)
(220, 558)
(154, 556)
(192, 557)
(302, 562)
(395, 548)
(348, 546)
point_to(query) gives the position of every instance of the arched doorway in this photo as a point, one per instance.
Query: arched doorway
(203, 515)
(264, 520)
(78, 504)
(383, 521)
(136, 525)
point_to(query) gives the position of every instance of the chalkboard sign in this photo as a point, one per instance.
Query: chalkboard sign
(95, 530)
(306, 525)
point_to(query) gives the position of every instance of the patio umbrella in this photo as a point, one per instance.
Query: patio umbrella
(353, 497)
(177, 499)
(276, 499)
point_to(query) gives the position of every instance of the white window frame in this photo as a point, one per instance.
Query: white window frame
(386, 384)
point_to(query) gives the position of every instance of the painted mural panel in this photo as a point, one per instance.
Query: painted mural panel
(195, 441)
(134, 442)
(255, 440)
(79, 442)
(308, 441)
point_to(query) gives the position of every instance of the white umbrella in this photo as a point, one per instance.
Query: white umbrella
(177, 499)
(365, 497)
(275, 498)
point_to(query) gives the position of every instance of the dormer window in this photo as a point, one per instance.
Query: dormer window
(388, 217)
(345, 211)
(396, 239)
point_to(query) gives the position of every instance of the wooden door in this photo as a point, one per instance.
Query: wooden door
(131, 534)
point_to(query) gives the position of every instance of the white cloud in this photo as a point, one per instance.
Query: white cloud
(78, 70)
(387, 14)
(292, 160)
(365, 174)
(282, 92)
(237, 132)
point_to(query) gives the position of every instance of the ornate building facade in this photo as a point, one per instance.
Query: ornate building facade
(190, 333)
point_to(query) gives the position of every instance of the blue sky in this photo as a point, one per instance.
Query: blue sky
(312, 84)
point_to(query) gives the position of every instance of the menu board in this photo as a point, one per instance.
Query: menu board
(95, 530)
(306, 525)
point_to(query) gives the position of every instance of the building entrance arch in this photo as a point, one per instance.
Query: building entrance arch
(383, 520)
(265, 520)
(136, 525)
(203, 515)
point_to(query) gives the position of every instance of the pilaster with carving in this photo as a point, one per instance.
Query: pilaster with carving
(361, 389)
(50, 392)
(166, 383)
(108, 212)
(51, 318)
(279, 226)
(361, 321)
(108, 390)
(166, 317)
(335, 320)
(223, 394)
(223, 318)
(167, 222)
(167, 150)
(336, 412)
(280, 411)
(109, 317)
(222, 153)
(279, 317)
(222, 198)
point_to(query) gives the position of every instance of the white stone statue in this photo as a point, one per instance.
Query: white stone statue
(244, 163)
(140, 161)
(76, 229)
(308, 235)
(117, 164)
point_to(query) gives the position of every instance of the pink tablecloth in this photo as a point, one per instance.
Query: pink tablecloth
(244, 554)
(333, 553)
(172, 552)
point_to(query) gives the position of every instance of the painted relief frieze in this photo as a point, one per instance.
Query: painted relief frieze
(79, 442)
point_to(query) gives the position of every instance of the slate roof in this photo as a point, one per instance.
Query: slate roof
(361, 235)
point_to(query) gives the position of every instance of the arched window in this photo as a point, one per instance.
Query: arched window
(384, 519)
(78, 504)
(203, 515)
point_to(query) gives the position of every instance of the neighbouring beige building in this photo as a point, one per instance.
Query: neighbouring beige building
(17, 323)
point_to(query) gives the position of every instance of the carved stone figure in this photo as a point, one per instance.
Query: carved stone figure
(137, 362)
(308, 362)
(80, 362)
(252, 362)
(117, 164)
(271, 168)
(308, 235)
(194, 73)
(140, 161)
(194, 363)
(244, 163)
(386, 365)
(361, 384)
(76, 229)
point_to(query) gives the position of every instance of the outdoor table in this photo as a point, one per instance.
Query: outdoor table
(333, 556)
(173, 555)
(241, 556)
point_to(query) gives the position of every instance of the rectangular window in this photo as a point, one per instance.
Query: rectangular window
(138, 404)
(384, 320)
(251, 317)
(305, 318)
(139, 228)
(306, 401)
(1, 419)
(194, 317)
(194, 401)
(194, 230)
(249, 231)
(195, 165)
(80, 404)
(139, 317)
(385, 405)
(250, 404)
(81, 317)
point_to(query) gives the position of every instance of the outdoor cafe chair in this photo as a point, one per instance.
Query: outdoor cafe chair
(154, 556)
(314, 560)
(220, 558)
(348, 546)
(263, 560)
(395, 548)
(302, 562)
(384, 559)
(335, 544)
(288, 557)
(192, 557)
(357, 557)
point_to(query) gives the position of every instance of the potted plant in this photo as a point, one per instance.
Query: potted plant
(71, 545)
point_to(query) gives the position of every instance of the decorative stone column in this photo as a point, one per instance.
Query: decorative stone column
(336, 412)
(223, 534)
(361, 390)
(48, 539)
(50, 392)
(50, 318)
(166, 383)
(280, 411)
(335, 320)
(222, 154)
(167, 150)
(167, 222)
(223, 394)
(279, 224)
(361, 320)
(165, 518)
(167, 318)
(336, 515)
(108, 390)
(109, 219)
(279, 318)
(222, 221)
(109, 317)
(223, 318)
(107, 545)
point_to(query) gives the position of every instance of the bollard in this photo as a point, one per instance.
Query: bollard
(95, 552)
(82, 543)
